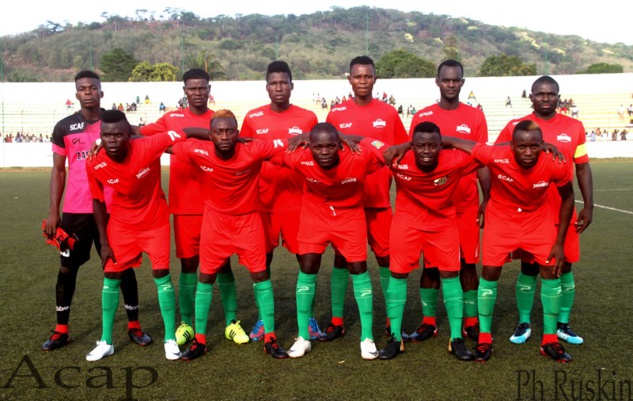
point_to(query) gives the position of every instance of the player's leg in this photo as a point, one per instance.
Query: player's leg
(525, 290)
(204, 296)
(429, 293)
(486, 298)
(338, 287)
(469, 232)
(187, 238)
(551, 300)
(363, 294)
(378, 228)
(305, 294)
(109, 305)
(568, 286)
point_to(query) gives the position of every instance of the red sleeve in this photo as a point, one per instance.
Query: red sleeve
(247, 131)
(154, 128)
(482, 153)
(96, 189)
(376, 148)
(400, 134)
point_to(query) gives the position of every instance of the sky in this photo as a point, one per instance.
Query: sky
(606, 21)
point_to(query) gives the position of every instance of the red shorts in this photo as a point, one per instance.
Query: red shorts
(440, 248)
(285, 224)
(223, 235)
(468, 234)
(378, 226)
(128, 245)
(344, 228)
(572, 247)
(187, 234)
(509, 230)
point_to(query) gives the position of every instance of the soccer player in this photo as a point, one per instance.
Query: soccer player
(568, 134)
(185, 191)
(72, 138)
(518, 216)
(369, 117)
(425, 221)
(138, 222)
(463, 121)
(332, 213)
(280, 189)
(231, 221)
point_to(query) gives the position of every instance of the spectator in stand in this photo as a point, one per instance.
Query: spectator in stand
(623, 135)
(614, 135)
(508, 102)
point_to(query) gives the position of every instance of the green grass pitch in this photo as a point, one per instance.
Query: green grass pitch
(602, 314)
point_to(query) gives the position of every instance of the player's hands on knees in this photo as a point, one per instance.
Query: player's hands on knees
(52, 222)
(106, 253)
(95, 148)
(556, 154)
(584, 219)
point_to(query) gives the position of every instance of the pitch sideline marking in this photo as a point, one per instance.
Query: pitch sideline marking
(609, 208)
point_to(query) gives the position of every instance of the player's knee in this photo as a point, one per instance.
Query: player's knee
(189, 265)
(160, 273)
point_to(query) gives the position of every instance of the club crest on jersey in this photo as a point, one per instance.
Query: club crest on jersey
(142, 173)
(377, 144)
(261, 131)
(345, 125)
(440, 181)
(541, 184)
(563, 138)
(463, 128)
(258, 114)
(379, 123)
(295, 130)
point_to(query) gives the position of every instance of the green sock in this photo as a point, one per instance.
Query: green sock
(109, 305)
(266, 301)
(204, 297)
(454, 302)
(428, 297)
(364, 298)
(396, 299)
(167, 304)
(186, 295)
(228, 293)
(525, 289)
(470, 303)
(551, 300)
(340, 280)
(486, 297)
(306, 287)
(568, 287)
(385, 276)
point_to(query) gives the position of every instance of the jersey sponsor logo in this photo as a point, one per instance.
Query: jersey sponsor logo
(261, 131)
(179, 115)
(112, 181)
(342, 108)
(379, 123)
(307, 163)
(501, 161)
(82, 154)
(278, 143)
(402, 166)
(295, 130)
(403, 177)
(201, 151)
(248, 170)
(345, 125)
(142, 173)
(77, 127)
(505, 178)
(463, 128)
(426, 113)
(100, 165)
(348, 180)
(440, 181)
(377, 144)
(258, 114)
(541, 184)
(76, 141)
(563, 138)
(206, 169)
(312, 180)
(173, 135)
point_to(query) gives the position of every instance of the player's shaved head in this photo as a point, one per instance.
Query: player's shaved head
(324, 128)
(113, 117)
(545, 79)
(87, 74)
(195, 73)
(278, 66)
(362, 60)
(426, 127)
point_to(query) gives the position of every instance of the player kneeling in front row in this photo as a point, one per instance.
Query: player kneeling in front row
(518, 217)
(139, 220)
(231, 222)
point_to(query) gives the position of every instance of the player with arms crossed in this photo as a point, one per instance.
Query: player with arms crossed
(371, 118)
(72, 139)
(280, 189)
(568, 134)
(185, 191)
(463, 121)
(518, 216)
(231, 221)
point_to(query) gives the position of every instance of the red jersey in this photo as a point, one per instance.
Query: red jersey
(138, 201)
(377, 120)
(517, 188)
(567, 134)
(184, 179)
(427, 198)
(464, 122)
(340, 186)
(230, 186)
(280, 189)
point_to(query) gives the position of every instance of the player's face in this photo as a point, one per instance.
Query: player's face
(362, 78)
(279, 87)
(527, 146)
(197, 92)
(115, 138)
(224, 135)
(544, 98)
(325, 146)
(88, 93)
(426, 146)
(450, 82)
